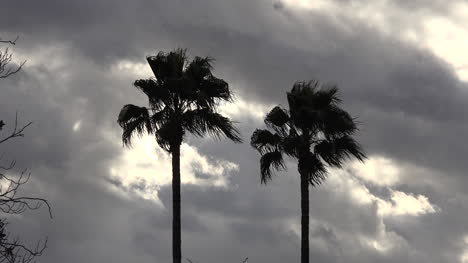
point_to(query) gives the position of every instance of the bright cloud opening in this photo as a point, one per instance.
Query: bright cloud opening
(384, 241)
(145, 167)
(241, 107)
(444, 35)
(377, 170)
(140, 70)
(405, 204)
(77, 126)
(464, 256)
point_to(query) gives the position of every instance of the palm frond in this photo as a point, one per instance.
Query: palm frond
(162, 116)
(215, 89)
(168, 65)
(183, 95)
(336, 122)
(325, 96)
(327, 151)
(313, 118)
(299, 98)
(206, 93)
(311, 166)
(199, 68)
(277, 118)
(177, 60)
(292, 143)
(302, 94)
(335, 151)
(208, 88)
(157, 94)
(312, 104)
(202, 121)
(133, 120)
(268, 162)
(350, 147)
(264, 141)
(169, 133)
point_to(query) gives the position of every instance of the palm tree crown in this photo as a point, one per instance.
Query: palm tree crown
(182, 97)
(314, 130)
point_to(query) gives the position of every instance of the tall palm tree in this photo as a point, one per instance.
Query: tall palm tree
(316, 132)
(183, 97)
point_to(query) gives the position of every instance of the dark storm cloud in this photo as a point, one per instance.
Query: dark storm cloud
(130, 30)
(411, 104)
(400, 93)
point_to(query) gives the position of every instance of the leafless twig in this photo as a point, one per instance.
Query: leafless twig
(5, 60)
(17, 130)
(11, 42)
(12, 250)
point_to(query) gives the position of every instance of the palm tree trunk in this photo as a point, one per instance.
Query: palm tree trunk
(304, 219)
(176, 225)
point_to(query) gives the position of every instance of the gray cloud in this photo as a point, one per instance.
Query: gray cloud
(411, 105)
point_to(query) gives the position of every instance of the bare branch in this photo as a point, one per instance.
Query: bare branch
(10, 72)
(10, 41)
(10, 203)
(17, 131)
(12, 250)
(5, 59)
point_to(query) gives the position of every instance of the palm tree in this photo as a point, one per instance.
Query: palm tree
(183, 97)
(316, 132)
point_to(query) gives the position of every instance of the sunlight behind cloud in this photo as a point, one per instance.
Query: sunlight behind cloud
(307, 4)
(448, 40)
(405, 204)
(76, 126)
(241, 107)
(349, 182)
(377, 170)
(384, 241)
(444, 35)
(145, 167)
(464, 256)
(140, 70)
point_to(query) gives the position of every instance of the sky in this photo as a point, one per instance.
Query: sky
(401, 70)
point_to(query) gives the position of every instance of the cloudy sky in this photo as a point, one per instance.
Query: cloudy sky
(400, 65)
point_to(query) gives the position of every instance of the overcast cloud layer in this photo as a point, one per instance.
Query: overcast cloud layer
(407, 203)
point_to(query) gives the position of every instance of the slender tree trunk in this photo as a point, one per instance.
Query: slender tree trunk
(176, 225)
(304, 219)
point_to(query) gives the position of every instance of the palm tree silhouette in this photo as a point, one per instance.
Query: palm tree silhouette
(183, 96)
(316, 132)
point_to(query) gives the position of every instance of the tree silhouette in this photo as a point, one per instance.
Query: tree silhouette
(183, 97)
(12, 248)
(316, 132)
